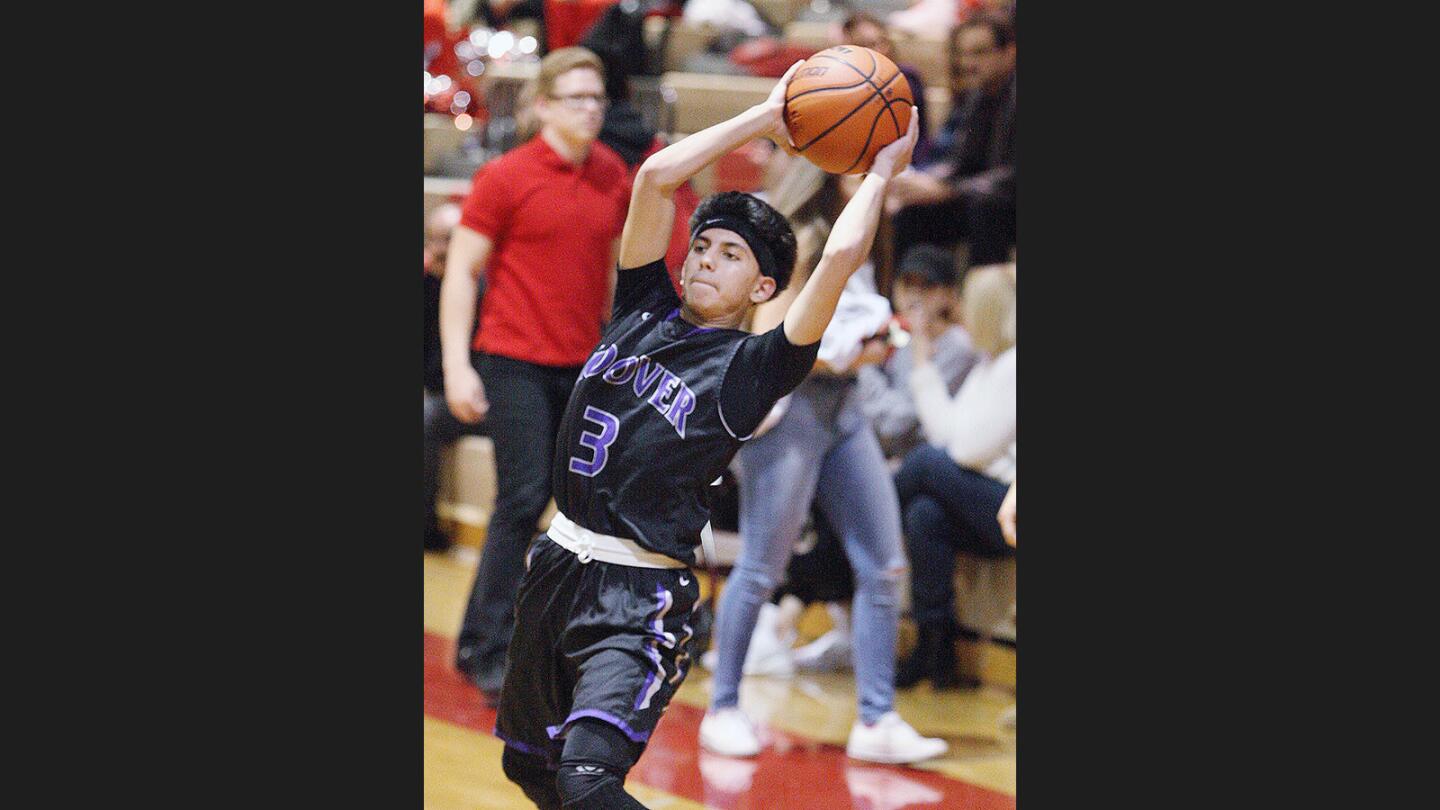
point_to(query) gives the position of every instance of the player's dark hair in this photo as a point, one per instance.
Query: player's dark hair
(768, 224)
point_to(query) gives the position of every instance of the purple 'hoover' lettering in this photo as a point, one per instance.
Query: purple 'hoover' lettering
(598, 362)
(667, 384)
(619, 374)
(680, 408)
(646, 373)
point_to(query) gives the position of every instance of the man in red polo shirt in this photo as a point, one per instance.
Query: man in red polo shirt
(540, 226)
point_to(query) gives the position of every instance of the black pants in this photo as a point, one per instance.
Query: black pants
(526, 404)
(947, 510)
(987, 224)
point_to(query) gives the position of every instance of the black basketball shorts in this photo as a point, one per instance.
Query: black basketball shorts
(595, 640)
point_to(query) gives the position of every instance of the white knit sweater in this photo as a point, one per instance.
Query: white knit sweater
(977, 426)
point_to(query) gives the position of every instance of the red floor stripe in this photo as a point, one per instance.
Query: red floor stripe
(809, 774)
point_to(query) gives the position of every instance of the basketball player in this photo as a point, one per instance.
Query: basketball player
(661, 407)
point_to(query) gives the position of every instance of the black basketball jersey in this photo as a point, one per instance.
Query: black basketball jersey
(643, 436)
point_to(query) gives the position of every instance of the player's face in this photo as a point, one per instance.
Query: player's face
(720, 277)
(575, 108)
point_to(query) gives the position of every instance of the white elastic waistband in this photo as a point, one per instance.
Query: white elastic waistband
(588, 545)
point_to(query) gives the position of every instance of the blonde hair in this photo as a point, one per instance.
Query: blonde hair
(560, 62)
(552, 67)
(987, 306)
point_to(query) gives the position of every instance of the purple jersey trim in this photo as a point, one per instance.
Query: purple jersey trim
(694, 330)
(559, 731)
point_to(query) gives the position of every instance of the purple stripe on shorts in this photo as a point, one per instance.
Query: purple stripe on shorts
(656, 626)
(649, 679)
(520, 746)
(559, 731)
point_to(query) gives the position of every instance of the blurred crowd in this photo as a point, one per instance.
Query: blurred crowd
(904, 433)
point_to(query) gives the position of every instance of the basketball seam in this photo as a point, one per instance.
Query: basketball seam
(866, 76)
(869, 79)
(830, 87)
(869, 136)
(832, 127)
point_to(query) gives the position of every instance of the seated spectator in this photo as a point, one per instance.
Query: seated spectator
(441, 427)
(868, 31)
(925, 281)
(951, 489)
(968, 193)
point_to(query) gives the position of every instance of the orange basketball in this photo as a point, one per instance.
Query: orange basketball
(845, 104)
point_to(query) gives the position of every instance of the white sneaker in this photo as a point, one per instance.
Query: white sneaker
(891, 741)
(770, 651)
(828, 653)
(728, 732)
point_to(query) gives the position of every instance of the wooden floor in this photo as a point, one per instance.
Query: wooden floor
(807, 717)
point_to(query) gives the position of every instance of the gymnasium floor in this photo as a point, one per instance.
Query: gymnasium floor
(808, 717)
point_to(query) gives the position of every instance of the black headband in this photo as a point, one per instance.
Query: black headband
(763, 256)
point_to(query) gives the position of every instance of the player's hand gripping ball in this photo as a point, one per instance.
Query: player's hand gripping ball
(845, 104)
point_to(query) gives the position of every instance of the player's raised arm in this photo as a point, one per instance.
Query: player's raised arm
(849, 243)
(652, 209)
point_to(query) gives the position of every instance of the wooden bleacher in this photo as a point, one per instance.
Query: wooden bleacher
(441, 138)
(700, 100)
(441, 189)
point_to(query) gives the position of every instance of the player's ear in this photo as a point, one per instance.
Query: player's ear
(763, 290)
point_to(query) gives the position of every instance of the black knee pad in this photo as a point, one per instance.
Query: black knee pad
(596, 758)
(606, 793)
(529, 772)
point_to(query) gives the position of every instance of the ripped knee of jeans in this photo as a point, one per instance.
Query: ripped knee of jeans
(883, 586)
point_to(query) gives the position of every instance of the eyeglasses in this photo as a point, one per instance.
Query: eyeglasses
(577, 101)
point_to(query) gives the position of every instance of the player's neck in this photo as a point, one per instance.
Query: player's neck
(693, 318)
(571, 152)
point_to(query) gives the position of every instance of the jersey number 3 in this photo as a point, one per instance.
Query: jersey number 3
(599, 443)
